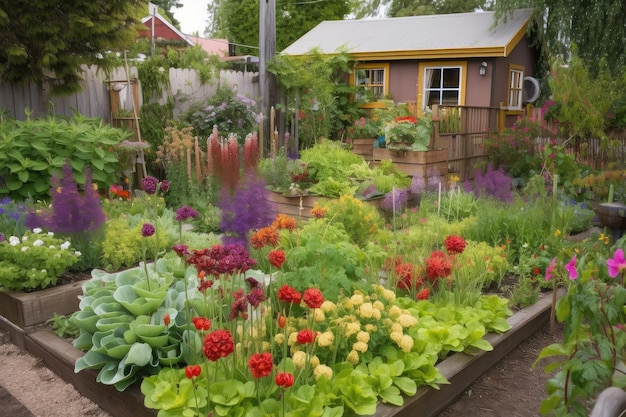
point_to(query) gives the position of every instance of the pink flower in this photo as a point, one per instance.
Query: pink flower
(617, 264)
(571, 268)
(549, 269)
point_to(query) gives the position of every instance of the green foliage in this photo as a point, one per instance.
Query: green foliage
(525, 293)
(399, 8)
(35, 260)
(32, 150)
(276, 171)
(63, 327)
(482, 262)
(360, 220)
(12, 215)
(49, 48)
(230, 112)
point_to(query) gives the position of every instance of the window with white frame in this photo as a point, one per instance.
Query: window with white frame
(442, 85)
(516, 86)
(371, 82)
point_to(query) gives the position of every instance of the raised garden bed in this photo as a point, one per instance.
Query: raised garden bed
(415, 163)
(300, 206)
(460, 369)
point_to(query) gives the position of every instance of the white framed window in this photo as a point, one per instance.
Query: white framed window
(372, 80)
(516, 87)
(442, 85)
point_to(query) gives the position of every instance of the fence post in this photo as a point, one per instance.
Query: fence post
(434, 137)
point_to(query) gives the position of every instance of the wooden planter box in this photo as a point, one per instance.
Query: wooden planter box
(29, 309)
(460, 369)
(415, 163)
(364, 147)
(301, 206)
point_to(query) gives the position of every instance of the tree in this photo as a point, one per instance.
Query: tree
(400, 8)
(47, 41)
(167, 6)
(238, 20)
(597, 28)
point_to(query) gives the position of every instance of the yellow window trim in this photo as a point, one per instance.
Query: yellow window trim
(420, 81)
(522, 69)
(383, 65)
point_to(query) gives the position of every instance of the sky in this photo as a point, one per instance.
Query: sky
(192, 16)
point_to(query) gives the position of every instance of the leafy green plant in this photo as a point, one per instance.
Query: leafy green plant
(32, 150)
(63, 327)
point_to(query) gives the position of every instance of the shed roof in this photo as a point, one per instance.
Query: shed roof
(417, 37)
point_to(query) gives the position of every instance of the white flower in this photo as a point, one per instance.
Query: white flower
(24, 248)
(24, 238)
(37, 230)
(44, 271)
(38, 242)
(65, 245)
(14, 241)
(77, 253)
(52, 247)
(50, 233)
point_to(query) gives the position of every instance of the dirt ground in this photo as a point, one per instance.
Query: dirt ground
(510, 389)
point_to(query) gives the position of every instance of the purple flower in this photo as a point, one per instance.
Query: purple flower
(149, 184)
(165, 185)
(181, 250)
(571, 268)
(147, 230)
(395, 201)
(549, 269)
(617, 264)
(186, 212)
(2, 238)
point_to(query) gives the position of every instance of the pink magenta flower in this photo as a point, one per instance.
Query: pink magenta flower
(549, 269)
(571, 269)
(617, 264)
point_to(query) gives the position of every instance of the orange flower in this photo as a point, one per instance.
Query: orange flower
(265, 236)
(318, 212)
(283, 221)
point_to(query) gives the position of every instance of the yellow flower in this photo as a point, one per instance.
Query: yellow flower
(293, 338)
(371, 328)
(363, 337)
(360, 347)
(328, 306)
(325, 339)
(557, 233)
(357, 299)
(315, 361)
(319, 315)
(394, 311)
(389, 295)
(406, 343)
(265, 346)
(407, 320)
(396, 336)
(322, 370)
(299, 359)
(279, 338)
(366, 310)
(395, 327)
(352, 328)
(378, 305)
(376, 314)
(353, 357)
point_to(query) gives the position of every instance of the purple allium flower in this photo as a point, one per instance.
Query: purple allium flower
(147, 230)
(149, 184)
(165, 185)
(418, 184)
(181, 250)
(186, 212)
(395, 201)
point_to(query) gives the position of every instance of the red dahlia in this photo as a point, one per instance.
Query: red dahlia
(260, 364)
(313, 298)
(218, 344)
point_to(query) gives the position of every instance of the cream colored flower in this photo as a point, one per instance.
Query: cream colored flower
(328, 306)
(371, 328)
(279, 338)
(360, 347)
(299, 359)
(357, 299)
(293, 339)
(315, 361)
(325, 339)
(407, 320)
(319, 315)
(395, 327)
(394, 311)
(378, 306)
(376, 314)
(353, 357)
(265, 346)
(366, 310)
(406, 343)
(322, 370)
(396, 336)
(352, 328)
(363, 337)
(389, 295)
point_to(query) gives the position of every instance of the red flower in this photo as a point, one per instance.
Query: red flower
(306, 336)
(166, 319)
(287, 294)
(218, 344)
(255, 296)
(193, 371)
(438, 267)
(313, 298)
(205, 284)
(239, 306)
(455, 244)
(276, 258)
(284, 379)
(201, 323)
(260, 364)
(423, 295)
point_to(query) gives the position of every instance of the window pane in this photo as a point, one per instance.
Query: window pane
(378, 76)
(434, 97)
(435, 77)
(451, 77)
(450, 98)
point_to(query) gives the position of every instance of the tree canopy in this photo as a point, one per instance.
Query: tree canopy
(598, 28)
(46, 41)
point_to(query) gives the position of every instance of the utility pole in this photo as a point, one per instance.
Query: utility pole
(267, 50)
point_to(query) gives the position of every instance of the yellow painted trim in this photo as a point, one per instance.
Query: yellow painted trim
(515, 40)
(420, 81)
(373, 105)
(383, 65)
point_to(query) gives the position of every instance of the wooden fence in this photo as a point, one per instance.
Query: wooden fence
(95, 99)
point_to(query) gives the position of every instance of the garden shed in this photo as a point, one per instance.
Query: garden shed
(463, 59)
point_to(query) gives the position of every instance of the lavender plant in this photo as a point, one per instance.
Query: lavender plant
(493, 183)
